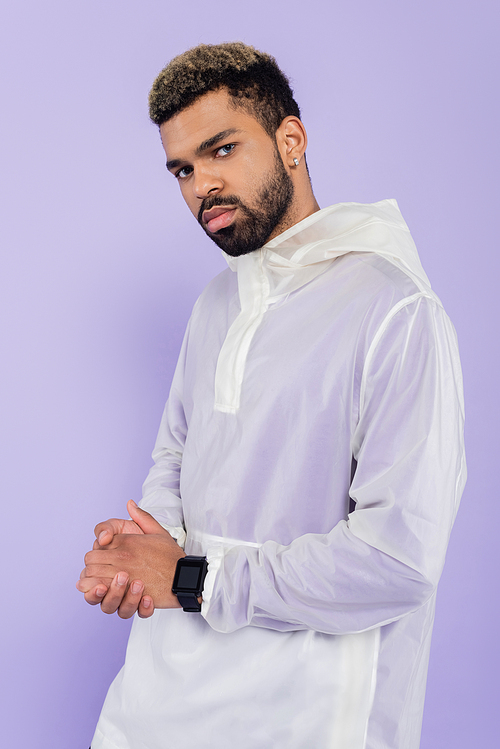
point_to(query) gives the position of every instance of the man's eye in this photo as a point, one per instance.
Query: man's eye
(224, 150)
(184, 172)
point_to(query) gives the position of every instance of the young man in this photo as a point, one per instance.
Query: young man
(310, 452)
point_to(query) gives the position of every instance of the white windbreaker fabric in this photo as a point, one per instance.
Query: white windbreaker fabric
(312, 448)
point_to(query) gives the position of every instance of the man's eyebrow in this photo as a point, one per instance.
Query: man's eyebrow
(173, 164)
(215, 139)
(209, 143)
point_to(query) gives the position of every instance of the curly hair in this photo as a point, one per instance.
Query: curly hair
(252, 78)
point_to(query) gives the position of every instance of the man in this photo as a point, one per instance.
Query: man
(310, 451)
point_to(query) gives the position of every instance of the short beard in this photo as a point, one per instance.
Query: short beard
(255, 225)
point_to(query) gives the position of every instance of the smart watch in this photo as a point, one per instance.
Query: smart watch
(189, 577)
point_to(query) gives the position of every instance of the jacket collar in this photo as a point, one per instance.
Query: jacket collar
(306, 249)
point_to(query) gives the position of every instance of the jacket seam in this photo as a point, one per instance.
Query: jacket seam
(378, 335)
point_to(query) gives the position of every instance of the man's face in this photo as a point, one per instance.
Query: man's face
(230, 173)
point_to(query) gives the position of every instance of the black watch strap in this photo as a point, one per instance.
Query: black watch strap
(189, 601)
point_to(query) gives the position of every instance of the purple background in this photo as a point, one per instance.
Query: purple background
(101, 263)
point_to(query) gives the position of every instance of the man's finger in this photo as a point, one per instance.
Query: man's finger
(108, 556)
(86, 584)
(95, 595)
(104, 532)
(101, 571)
(146, 607)
(143, 519)
(131, 600)
(116, 593)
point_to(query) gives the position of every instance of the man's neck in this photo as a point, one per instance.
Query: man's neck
(301, 208)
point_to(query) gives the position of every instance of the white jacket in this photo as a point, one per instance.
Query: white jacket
(312, 448)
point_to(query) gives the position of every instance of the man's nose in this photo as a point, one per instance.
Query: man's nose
(205, 183)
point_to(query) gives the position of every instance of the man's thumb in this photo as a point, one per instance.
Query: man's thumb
(144, 520)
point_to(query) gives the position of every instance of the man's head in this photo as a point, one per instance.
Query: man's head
(232, 134)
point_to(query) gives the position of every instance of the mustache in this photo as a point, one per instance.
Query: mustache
(217, 200)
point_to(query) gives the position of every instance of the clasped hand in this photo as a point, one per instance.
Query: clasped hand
(131, 566)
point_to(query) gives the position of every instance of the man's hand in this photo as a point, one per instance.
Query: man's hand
(132, 563)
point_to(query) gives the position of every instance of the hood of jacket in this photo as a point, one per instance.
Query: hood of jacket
(305, 250)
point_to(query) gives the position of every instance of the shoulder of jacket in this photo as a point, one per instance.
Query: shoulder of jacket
(217, 291)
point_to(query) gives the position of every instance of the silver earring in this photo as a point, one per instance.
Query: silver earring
(296, 162)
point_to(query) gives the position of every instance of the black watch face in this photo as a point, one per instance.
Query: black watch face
(189, 577)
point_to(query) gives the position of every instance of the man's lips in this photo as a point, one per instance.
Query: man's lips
(218, 218)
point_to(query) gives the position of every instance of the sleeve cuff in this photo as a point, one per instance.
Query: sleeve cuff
(177, 532)
(215, 555)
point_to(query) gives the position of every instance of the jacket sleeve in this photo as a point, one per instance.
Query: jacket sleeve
(385, 559)
(161, 491)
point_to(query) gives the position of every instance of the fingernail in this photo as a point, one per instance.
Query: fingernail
(121, 578)
(136, 587)
(146, 603)
(134, 503)
(101, 536)
(100, 592)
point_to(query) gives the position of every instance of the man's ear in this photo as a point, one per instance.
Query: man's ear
(291, 139)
